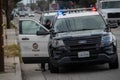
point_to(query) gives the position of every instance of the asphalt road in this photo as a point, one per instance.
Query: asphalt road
(98, 72)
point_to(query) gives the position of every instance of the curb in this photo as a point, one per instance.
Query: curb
(18, 69)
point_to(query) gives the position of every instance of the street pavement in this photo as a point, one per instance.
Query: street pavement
(11, 64)
(12, 69)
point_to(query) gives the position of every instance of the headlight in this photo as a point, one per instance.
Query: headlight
(57, 43)
(108, 39)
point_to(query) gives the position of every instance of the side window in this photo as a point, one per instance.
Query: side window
(42, 29)
(30, 27)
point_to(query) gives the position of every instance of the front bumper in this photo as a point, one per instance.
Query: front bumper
(64, 57)
(100, 59)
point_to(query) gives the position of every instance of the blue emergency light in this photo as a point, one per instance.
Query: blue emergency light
(60, 13)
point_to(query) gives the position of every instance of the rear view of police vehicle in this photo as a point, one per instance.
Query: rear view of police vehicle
(82, 38)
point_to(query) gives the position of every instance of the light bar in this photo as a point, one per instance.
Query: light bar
(70, 10)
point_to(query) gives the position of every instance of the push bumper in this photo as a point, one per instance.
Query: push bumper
(100, 59)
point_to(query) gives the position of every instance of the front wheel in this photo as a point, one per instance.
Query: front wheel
(114, 64)
(53, 69)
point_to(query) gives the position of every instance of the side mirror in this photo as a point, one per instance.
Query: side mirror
(51, 31)
(42, 33)
(113, 25)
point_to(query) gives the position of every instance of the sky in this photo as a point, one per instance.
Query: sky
(27, 1)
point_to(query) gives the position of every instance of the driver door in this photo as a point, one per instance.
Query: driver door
(34, 48)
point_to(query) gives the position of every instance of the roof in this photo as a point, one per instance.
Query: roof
(78, 14)
(21, 19)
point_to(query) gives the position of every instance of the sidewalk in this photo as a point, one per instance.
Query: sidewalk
(12, 69)
(12, 64)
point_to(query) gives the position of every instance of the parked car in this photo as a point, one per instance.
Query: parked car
(22, 13)
(31, 14)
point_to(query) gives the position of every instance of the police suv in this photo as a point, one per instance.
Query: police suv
(75, 38)
(82, 38)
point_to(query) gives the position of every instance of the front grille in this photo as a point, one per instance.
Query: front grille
(91, 43)
(113, 15)
(84, 47)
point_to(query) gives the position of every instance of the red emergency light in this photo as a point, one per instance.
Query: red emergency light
(94, 9)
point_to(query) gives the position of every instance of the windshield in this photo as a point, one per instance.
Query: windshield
(79, 23)
(110, 4)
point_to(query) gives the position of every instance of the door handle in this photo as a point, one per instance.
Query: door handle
(25, 38)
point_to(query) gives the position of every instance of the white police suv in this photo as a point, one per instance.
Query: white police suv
(81, 37)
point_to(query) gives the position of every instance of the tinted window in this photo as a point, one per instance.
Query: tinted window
(110, 4)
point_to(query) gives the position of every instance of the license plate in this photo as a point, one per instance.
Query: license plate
(83, 54)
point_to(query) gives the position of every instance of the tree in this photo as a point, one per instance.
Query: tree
(86, 3)
(8, 6)
(11, 4)
(43, 5)
(78, 3)
(33, 6)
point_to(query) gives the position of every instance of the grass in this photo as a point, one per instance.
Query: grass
(12, 50)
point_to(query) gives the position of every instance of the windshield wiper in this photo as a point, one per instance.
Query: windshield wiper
(83, 29)
(74, 30)
(61, 31)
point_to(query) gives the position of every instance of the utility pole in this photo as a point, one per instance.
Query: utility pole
(1, 40)
(48, 4)
(7, 14)
(31, 4)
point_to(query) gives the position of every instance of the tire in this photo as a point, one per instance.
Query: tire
(53, 69)
(115, 64)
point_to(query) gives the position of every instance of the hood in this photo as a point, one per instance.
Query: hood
(79, 34)
(110, 10)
